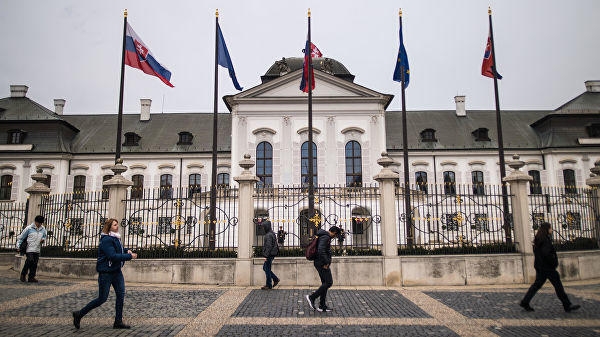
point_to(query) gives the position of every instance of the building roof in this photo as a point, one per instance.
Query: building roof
(455, 132)
(290, 64)
(588, 102)
(22, 108)
(159, 134)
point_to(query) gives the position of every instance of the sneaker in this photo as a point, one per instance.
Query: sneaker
(310, 302)
(324, 309)
(22, 278)
(33, 280)
(527, 307)
(265, 288)
(76, 319)
(275, 283)
(572, 307)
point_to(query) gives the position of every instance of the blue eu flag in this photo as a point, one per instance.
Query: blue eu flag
(402, 62)
(224, 59)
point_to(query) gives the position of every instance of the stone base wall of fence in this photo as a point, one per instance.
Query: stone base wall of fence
(452, 270)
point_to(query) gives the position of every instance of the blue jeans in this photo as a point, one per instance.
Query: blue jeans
(105, 280)
(268, 273)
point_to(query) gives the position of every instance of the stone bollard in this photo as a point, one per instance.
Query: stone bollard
(518, 181)
(246, 180)
(36, 192)
(117, 189)
(389, 230)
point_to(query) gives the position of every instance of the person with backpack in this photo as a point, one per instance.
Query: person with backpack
(322, 263)
(32, 237)
(270, 249)
(111, 258)
(545, 264)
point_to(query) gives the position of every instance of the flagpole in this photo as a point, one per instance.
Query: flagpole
(120, 113)
(311, 187)
(506, 210)
(407, 204)
(213, 184)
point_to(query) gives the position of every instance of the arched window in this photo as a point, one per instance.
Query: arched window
(304, 164)
(194, 185)
(570, 182)
(6, 186)
(421, 181)
(223, 180)
(264, 164)
(477, 179)
(535, 186)
(79, 187)
(137, 190)
(353, 164)
(166, 186)
(449, 183)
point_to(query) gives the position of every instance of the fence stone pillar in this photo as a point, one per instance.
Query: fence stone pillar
(594, 183)
(117, 193)
(389, 230)
(246, 180)
(36, 192)
(520, 214)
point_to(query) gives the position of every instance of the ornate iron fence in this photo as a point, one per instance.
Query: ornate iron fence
(454, 219)
(572, 213)
(73, 222)
(354, 209)
(176, 223)
(12, 221)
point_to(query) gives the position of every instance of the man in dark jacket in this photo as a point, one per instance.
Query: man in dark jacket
(323, 263)
(545, 264)
(270, 250)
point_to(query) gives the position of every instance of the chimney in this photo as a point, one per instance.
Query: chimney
(145, 112)
(59, 105)
(18, 90)
(592, 86)
(460, 106)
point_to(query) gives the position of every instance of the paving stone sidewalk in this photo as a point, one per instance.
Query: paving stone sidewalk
(28, 309)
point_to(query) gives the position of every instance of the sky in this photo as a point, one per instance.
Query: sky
(71, 49)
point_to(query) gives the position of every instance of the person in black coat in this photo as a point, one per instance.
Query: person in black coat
(323, 263)
(545, 264)
(270, 249)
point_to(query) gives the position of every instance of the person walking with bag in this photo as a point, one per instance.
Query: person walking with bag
(545, 264)
(32, 236)
(270, 250)
(323, 265)
(111, 258)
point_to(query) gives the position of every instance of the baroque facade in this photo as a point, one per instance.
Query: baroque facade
(351, 128)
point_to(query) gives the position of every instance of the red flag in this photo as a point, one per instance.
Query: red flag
(488, 61)
(314, 51)
(307, 61)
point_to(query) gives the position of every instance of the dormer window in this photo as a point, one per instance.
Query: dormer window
(593, 130)
(481, 135)
(185, 138)
(428, 135)
(132, 139)
(16, 136)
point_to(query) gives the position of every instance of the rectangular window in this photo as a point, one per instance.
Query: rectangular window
(166, 186)
(6, 187)
(481, 222)
(535, 186)
(137, 190)
(477, 179)
(105, 189)
(421, 181)
(449, 183)
(570, 183)
(79, 187)
(76, 226)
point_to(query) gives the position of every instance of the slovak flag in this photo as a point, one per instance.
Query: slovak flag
(309, 53)
(488, 61)
(138, 55)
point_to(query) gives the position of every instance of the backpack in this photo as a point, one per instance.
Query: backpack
(311, 249)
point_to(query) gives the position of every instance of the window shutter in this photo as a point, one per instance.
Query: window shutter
(14, 191)
(70, 181)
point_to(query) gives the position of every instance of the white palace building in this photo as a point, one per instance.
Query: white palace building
(352, 127)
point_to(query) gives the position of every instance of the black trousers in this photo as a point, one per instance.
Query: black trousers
(31, 264)
(326, 283)
(541, 275)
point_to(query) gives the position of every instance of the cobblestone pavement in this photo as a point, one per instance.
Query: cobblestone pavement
(28, 309)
